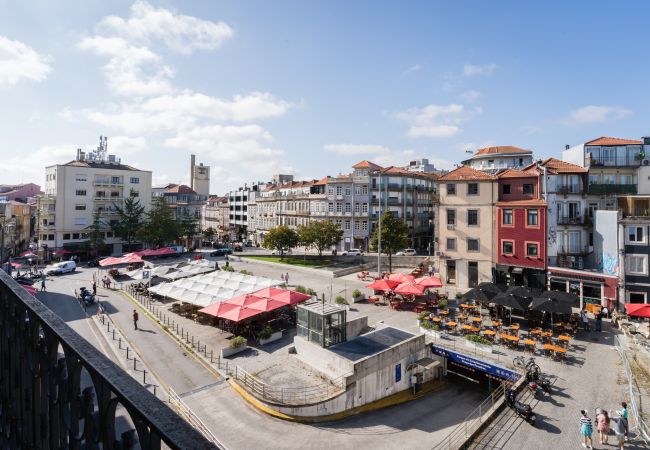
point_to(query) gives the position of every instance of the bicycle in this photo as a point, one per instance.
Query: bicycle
(529, 366)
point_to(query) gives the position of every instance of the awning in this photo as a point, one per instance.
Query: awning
(425, 363)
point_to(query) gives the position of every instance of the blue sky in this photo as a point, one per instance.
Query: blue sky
(309, 88)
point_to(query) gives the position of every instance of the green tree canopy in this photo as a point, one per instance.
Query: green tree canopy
(320, 234)
(160, 227)
(96, 234)
(189, 227)
(209, 233)
(280, 238)
(394, 236)
(130, 219)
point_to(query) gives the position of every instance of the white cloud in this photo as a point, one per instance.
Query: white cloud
(471, 70)
(19, 61)
(125, 145)
(182, 34)
(413, 68)
(596, 114)
(356, 149)
(436, 121)
(470, 96)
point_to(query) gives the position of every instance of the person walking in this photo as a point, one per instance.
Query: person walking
(599, 321)
(430, 270)
(43, 282)
(135, 319)
(618, 427)
(94, 288)
(282, 277)
(585, 429)
(602, 419)
(286, 278)
(584, 319)
(623, 414)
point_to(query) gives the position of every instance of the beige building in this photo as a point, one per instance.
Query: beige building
(466, 229)
(75, 191)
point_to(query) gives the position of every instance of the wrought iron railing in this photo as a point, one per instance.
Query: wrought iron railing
(47, 402)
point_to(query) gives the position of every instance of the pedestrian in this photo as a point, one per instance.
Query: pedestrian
(94, 288)
(430, 270)
(599, 320)
(227, 264)
(585, 429)
(605, 312)
(623, 414)
(282, 277)
(584, 319)
(286, 278)
(602, 419)
(135, 319)
(43, 284)
(618, 427)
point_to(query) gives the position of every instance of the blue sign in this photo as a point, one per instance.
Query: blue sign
(476, 364)
(398, 373)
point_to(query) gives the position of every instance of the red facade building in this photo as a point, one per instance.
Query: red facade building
(521, 213)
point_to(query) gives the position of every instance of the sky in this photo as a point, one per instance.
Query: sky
(256, 88)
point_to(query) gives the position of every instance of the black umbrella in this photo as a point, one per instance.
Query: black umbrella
(512, 301)
(560, 295)
(491, 290)
(552, 305)
(478, 295)
(520, 291)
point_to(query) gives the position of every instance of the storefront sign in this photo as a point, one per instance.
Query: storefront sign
(475, 364)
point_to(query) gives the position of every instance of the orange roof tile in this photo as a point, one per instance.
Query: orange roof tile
(466, 173)
(365, 164)
(180, 189)
(516, 173)
(503, 149)
(604, 140)
(322, 181)
(558, 166)
(531, 202)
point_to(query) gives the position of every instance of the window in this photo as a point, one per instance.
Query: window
(330, 207)
(594, 179)
(364, 208)
(532, 250)
(574, 242)
(472, 274)
(637, 264)
(364, 225)
(75, 235)
(80, 221)
(637, 297)
(609, 179)
(339, 190)
(80, 177)
(330, 190)
(348, 207)
(472, 245)
(338, 222)
(80, 192)
(116, 180)
(451, 217)
(451, 272)
(451, 189)
(357, 225)
(472, 217)
(135, 180)
(532, 217)
(66, 236)
(135, 193)
(528, 188)
(451, 244)
(80, 207)
(505, 189)
(507, 247)
(347, 225)
(472, 189)
(364, 190)
(635, 234)
(507, 216)
(348, 190)
(626, 179)
(339, 207)
(357, 208)
(50, 237)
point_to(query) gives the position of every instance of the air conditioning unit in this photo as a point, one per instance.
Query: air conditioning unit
(450, 226)
(646, 162)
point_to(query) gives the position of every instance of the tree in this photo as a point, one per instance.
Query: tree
(130, 219)
(209, 233)
(394, 236)
(96, 234)
(281, 238)
(320, 234)
(160, 226)
(189, 227)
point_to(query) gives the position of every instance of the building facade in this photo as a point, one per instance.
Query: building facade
(92, 183)
(19, 192)
(211, 216)
(466, 229)
(493, 159)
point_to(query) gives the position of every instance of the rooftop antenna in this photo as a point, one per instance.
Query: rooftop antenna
(102, 148)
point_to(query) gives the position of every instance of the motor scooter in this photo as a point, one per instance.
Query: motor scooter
(86, 296)
(521, 409)
(539, 379)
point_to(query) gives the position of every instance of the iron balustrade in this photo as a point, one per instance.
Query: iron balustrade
(45, 403)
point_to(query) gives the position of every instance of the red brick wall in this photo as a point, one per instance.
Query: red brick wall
(520, 234)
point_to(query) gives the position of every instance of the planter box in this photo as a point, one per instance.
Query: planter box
(274, 337)
(432, 333)
(226, 352)
(478, 347)
(358, 299)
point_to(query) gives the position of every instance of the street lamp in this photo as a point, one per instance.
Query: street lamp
(431, 235)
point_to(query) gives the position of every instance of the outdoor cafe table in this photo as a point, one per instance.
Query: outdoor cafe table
(564, 337)
(465, 306)
(476, 319)
(536, 332)
(514, 326)
(557, 351)
(471, 328)
(463, 317)
(444, 313)
(451, 325)
(489, 333)
(530, 344)
(436, 319)
(497, 323)
(510, 340)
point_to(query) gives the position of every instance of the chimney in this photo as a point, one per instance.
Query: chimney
(567, 147)
(192, 162)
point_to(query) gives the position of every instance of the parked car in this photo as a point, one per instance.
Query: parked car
(352, 252)
(61, 268)
(238, 247)
(287, 251)
(406, 252)
(221, 252)
(95, 262)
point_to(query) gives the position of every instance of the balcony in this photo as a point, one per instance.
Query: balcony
(395, 186)
(105, 212)
(42, 358)
(108, 182)
(618, 161)
(569, 189)
(108, 199)
(605, 189)
(573, 220)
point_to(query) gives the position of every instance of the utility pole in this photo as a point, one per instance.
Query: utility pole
(379, 230)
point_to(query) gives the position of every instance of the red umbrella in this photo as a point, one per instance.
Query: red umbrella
(409, 289)
(243, 300)
(638, 309)
(383, 285)
(429, 282)
(291, 297)
(267, 304)
(401, 278)
(240, 313)
(268, 292)
(32, 290)
(218, 308)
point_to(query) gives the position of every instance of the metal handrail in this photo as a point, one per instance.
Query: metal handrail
(644, 431)
(186, 413)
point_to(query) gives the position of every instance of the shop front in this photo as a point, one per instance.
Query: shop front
(592, 288)
(520, 276)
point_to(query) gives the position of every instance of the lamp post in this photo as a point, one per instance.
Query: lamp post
(431, 235)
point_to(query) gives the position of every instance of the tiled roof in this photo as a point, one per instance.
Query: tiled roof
(516, 173)
(531, 202)
(502, 149)
(466, 173)
(365, 164)
(558, 166)
(180, 189)
(97, 165)
(604, 140)
(322, 181)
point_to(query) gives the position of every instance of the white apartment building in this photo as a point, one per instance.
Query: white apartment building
(75, 191)
(493, 159)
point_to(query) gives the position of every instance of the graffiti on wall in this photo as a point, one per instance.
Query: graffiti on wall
(608, 263)
(551, 235)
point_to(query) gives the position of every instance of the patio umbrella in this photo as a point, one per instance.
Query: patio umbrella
(243, 300)
(552, 305)
(267, 304)
(290, 297)
(383, 285)
(560, 295)
(512, 301)
(409, 289)
(240, 313)
(638, 309)
(401, 278)
(478, 295)
(519, 291)
(429, 282)
(267, 292)
(218, 308)
(491, 290)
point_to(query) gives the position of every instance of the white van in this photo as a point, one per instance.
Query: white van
(61, 268)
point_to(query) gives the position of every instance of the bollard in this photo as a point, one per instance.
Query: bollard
(135, 361)
(120, 343)
(127, 353)
(144, 377)
(210, 356)
(113, 333)
(108, 326)
(154, 389)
